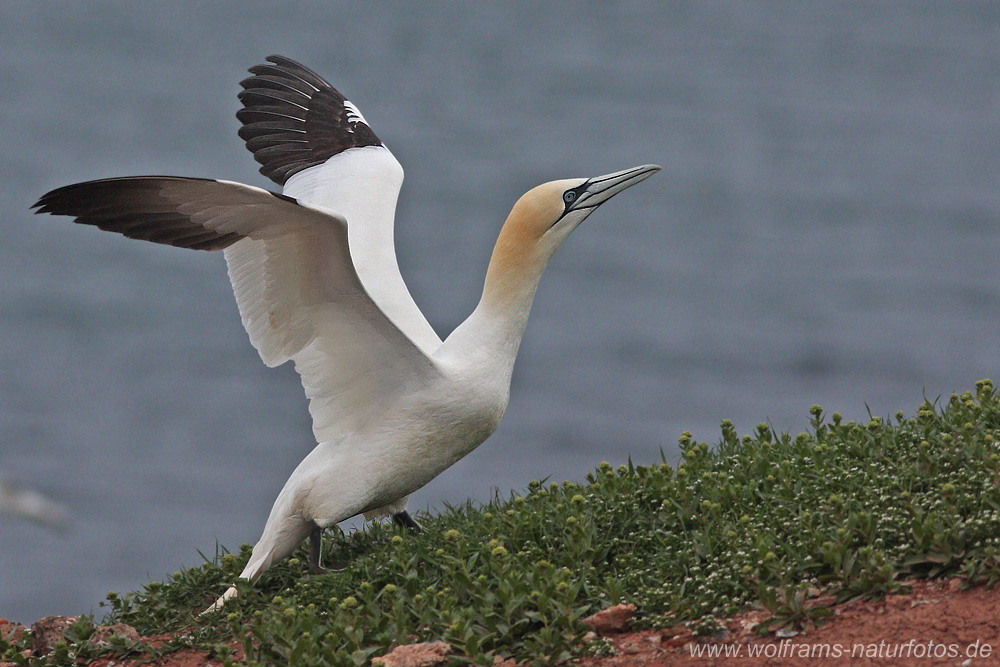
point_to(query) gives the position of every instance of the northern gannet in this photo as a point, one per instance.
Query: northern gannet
(20, 501)
(316, 280)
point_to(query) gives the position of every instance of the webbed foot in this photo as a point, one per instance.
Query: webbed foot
(406, 521)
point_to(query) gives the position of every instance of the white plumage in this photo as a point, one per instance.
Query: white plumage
(316, 280)
(23, 502)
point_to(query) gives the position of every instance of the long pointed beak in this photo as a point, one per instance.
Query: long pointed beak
(602, 188)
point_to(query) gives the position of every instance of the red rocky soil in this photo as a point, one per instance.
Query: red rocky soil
(936, 623)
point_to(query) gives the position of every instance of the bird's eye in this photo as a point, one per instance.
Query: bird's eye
(569, 196)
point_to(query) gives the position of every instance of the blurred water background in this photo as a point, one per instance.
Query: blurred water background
(826, 229)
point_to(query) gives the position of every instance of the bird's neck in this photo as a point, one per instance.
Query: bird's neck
(495, 327)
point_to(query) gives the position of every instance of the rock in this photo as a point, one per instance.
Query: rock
(634, 647)
(677, 636)
(11, 632)
(105, 632)
(425, 654)
(47, 631)
(821, 601)
(612, 619)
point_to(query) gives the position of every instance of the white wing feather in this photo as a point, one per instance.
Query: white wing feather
(362, 185)
(300, 299)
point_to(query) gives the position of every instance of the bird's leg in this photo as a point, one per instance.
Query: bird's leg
(406, 521)
(315, 548)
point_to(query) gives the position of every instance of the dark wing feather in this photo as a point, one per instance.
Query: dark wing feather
(293, 119)
(134, 207)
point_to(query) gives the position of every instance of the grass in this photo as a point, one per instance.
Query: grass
(764, 519)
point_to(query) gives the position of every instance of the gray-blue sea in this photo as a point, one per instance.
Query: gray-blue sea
(826, 229)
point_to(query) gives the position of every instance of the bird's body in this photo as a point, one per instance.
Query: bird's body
(412, 442)
(316, 280)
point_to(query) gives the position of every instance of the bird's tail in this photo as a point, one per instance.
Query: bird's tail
(230, 593)
(273, 546)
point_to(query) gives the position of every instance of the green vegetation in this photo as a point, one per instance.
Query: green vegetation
(850, 508)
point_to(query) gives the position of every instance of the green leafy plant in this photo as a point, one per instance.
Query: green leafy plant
(760, 519)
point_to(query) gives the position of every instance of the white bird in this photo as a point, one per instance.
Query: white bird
(23, 502)
(316, 281)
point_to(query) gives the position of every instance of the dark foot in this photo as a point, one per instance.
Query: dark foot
(315, 546)
(406, 521)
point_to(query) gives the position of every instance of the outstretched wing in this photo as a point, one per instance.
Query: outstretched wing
(299, 295)
(316, 144)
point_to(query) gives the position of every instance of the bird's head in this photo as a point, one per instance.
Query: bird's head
(541, 220)
(548, 213)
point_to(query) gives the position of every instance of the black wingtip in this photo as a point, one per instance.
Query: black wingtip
(132, 206)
